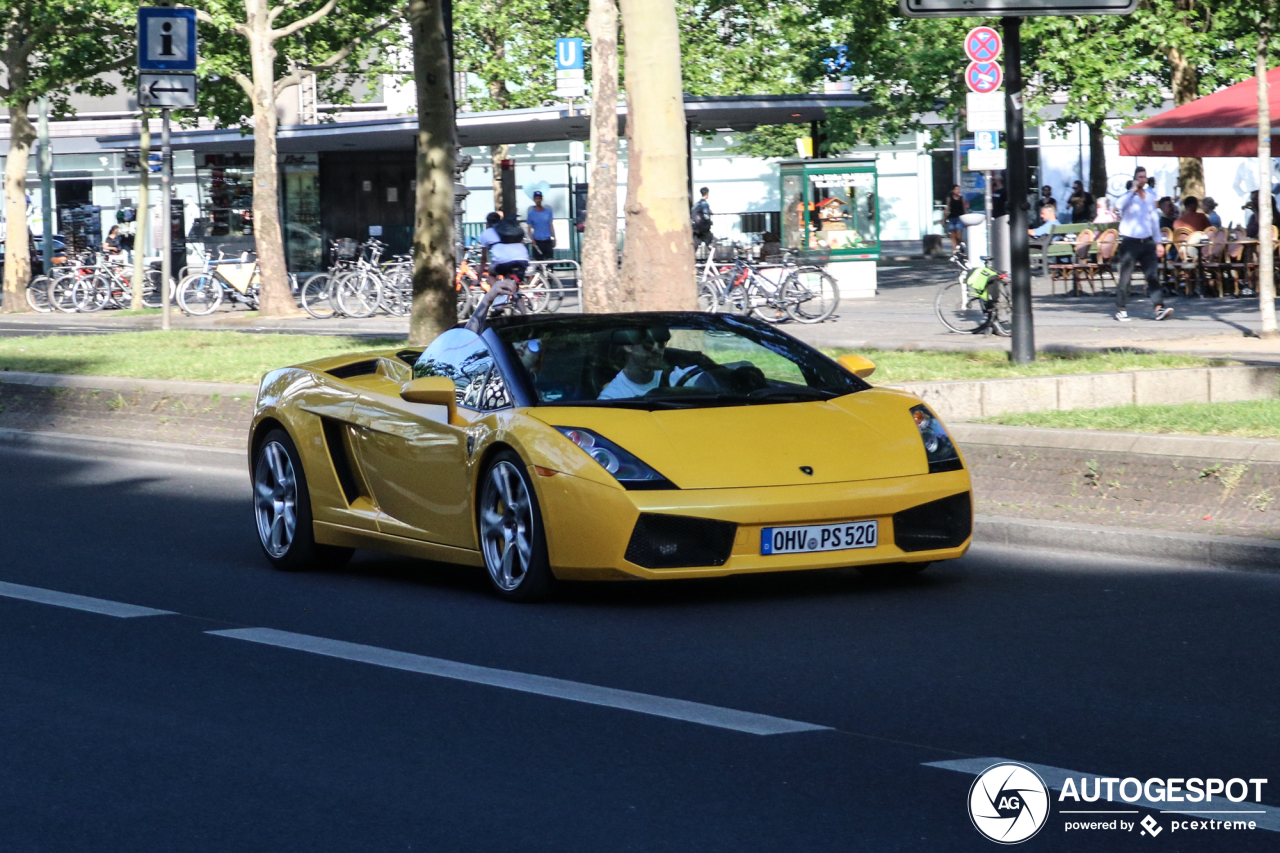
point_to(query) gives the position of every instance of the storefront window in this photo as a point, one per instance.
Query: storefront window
(300, 182)
(843, 210)
(225, 183)
(793, 211)
(830, 207)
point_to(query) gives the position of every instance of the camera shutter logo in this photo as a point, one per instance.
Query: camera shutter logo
(1008, 802)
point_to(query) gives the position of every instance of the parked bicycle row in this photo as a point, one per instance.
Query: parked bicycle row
(730, 281)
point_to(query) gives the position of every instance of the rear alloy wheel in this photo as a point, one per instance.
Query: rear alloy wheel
(282, 509)
(511, 539)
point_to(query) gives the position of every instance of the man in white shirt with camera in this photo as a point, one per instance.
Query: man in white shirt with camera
(1140, 244)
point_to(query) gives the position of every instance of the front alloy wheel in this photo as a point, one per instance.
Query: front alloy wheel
(510, 532)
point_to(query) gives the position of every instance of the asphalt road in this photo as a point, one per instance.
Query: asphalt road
(150, 733)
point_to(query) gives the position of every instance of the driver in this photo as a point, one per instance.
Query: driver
(645, 365)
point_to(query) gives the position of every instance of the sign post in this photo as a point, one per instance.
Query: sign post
(983, 78)
(166, 49)
(570, 73)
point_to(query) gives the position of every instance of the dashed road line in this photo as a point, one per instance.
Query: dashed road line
(573, 691)
(78, 602)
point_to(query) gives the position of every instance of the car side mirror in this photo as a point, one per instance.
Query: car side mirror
(433, 391)
(857, 365)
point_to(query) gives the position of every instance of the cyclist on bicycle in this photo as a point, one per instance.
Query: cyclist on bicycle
(502, 243)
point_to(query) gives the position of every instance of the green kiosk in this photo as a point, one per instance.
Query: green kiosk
(830, 213)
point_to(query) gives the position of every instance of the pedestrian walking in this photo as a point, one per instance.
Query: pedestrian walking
(539, 218)
(957, 206)
(1140, 244)
(700, 218)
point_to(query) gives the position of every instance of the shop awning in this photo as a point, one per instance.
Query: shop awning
(509, 127)
(1224, 124)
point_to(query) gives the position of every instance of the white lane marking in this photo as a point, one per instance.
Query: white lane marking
(574, 691)
(1056, 777)
(78, 602)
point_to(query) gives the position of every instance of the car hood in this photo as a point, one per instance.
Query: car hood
(869, 435)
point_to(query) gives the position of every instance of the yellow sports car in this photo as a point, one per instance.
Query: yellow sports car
(605, 447)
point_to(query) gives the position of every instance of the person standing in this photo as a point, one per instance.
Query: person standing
(538, 218)
(700, 219)
(1140, 244)
(1081, 203)
(957, 206)
(999, 197)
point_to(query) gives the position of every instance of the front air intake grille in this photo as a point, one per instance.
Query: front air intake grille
(359, 368)
(944, 523)
(679, 542)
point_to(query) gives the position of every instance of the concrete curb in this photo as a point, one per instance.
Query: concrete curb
(1224, 448)
(980, 398)
(66, 444)
(1229, 552)
(121, 383)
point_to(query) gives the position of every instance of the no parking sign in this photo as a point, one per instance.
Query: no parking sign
(982, 44)
(983, 77)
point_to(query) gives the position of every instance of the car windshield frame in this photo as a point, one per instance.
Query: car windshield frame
(834, 381)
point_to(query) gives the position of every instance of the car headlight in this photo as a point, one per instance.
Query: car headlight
(938, 447)
(625, 467)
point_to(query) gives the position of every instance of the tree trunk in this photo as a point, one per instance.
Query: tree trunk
(1266, 244)
(657, 256)
(1185, 82)
(502, 99)
(1097, 162)
(600, 236)
(435, 306)
(144, 204)
(275, 297)
(17, 261)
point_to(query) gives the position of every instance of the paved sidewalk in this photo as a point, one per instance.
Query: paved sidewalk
(900, 316)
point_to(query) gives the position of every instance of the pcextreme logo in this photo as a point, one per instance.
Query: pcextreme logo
(1008, 802)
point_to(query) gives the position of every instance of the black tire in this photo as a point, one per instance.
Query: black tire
(959, 310)
(892, 571)
(811, 295)
(532, 580)
(301, 552)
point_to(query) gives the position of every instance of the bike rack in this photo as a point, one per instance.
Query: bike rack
(565, 264)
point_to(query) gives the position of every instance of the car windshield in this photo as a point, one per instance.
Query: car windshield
(668, 360)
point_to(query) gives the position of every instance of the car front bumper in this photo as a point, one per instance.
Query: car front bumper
(589, 526)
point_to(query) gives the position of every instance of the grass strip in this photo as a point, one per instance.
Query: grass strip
(207, 356)
(1247, 419)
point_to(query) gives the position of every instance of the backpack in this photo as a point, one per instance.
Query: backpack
(701, 221)
(509, 231)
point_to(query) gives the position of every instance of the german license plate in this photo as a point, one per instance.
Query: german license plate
(819, 537)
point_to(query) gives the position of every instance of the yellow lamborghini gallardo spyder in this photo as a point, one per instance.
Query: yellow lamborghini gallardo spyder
(606, 447)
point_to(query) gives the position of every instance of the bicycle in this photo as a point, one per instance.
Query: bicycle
(200, 293)
(978, 301)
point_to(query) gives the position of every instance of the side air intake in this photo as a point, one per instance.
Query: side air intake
(338, 455)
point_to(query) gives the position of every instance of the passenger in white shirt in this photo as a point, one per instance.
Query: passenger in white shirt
(1140, 244)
